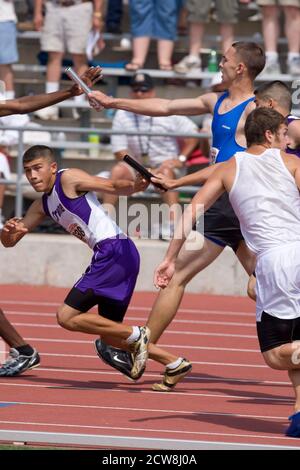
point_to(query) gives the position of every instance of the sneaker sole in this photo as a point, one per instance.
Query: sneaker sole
(144, 355)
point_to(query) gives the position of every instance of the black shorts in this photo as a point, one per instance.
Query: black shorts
(273, 332)
(221, 225)
(108, 308)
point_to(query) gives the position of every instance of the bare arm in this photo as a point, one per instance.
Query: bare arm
(15, 229)
(211, 191)
(197, 178)
(28, 104)
(189, 145)
(76, 181)
(157, 106)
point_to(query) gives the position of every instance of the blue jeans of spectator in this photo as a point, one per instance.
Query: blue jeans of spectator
(154, 18)
(8, 40)
(114, 13)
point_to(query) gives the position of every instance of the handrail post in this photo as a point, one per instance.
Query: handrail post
(19, 188)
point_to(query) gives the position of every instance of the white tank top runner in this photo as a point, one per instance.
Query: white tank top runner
(266, 200)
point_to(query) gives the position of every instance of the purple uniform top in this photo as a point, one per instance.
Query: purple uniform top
(295, 151)
(82, 216)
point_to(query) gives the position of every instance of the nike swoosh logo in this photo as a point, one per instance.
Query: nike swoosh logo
(116, 358)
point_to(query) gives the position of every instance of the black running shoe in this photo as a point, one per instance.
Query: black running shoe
(16, 363)
(116, 358)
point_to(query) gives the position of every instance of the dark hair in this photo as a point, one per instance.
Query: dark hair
(252, 55)
(38, 151)
(259, 121)
(277, 91)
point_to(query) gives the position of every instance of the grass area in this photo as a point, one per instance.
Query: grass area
(26, 447)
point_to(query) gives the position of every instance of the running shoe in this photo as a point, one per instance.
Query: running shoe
(139, 349)
(173, 376)
(16, 363)
(294, 428)
(114, 357)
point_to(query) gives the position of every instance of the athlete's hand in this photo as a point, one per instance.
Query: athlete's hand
(140, 184)
(99, 100)
(163, 274)
(90, 77)
(14, 225)
(167, 183)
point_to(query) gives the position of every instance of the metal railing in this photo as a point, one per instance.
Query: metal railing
(19, 182)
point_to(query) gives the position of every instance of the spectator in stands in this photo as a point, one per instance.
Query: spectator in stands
(198, 15)
(4, 174)
(153, 19)
(8, 51)
(271, 32)
(65, 28)
(162, 154)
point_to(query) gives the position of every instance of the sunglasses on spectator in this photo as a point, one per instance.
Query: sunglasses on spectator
(142, 89)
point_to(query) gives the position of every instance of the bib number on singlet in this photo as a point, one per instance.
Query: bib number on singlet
(77, 231)
(213, 155)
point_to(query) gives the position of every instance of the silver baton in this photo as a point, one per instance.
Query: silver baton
(73, 76)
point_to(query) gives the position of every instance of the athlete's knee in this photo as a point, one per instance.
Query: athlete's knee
(273, 359)
(65, 321)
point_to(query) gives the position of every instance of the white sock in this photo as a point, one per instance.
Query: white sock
(174, 364)
(292, 56)
(134, 335)
(271, 56)
(9, 95)
(52, 86)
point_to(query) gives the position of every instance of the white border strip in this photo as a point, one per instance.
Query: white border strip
(127, 442)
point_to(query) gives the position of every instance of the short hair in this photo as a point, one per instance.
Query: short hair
(277, 91)
(252, 55)
(38, 151)
(259, 121)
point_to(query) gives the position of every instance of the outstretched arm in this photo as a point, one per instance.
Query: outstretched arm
(156, 106)
(15, 228)
(197, 178)
(76, 181)
(205, 197)
(28, 104)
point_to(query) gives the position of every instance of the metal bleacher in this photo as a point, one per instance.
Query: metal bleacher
(30, 78)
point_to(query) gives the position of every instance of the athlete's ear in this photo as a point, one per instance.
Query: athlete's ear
(269, 136)
(241, 67)
(53, 167)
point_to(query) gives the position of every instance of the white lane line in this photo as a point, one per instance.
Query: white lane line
(189, 333)
(146, 410)
(152, 430)
(193, 322)
(134, 308)
(185, 394)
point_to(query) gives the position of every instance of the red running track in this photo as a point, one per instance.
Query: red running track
(231, 397)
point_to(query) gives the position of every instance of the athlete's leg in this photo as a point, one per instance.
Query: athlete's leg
(74, 320)
(246, 257)
(9, 333)
(189, 263)
(251, 291)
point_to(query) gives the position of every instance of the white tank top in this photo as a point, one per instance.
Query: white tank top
(266, 200)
